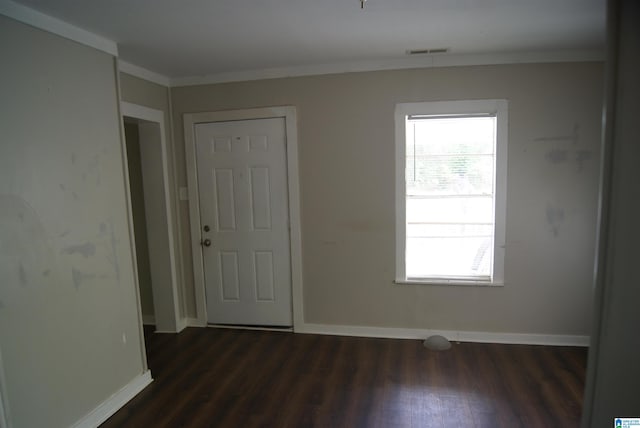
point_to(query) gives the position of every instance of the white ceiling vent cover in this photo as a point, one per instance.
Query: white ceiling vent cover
(427, 51)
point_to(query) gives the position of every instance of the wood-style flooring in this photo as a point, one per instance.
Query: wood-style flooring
(237, 378)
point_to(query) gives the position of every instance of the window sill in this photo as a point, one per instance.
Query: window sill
(454, 282)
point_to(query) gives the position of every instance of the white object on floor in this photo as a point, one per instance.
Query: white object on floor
(437, 343)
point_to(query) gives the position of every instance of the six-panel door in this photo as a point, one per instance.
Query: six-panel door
(242, 185)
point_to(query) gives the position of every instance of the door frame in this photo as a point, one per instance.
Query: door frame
(164, 295)
(288, 113)
(5, 417)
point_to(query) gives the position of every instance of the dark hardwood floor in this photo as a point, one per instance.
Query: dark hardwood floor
(238, 378)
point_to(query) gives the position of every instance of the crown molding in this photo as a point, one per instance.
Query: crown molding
(53, 25)
(427, 61)
(143, 73)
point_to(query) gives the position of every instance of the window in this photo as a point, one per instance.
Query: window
(450, 191)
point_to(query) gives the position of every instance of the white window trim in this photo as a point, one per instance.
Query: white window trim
(500, 108)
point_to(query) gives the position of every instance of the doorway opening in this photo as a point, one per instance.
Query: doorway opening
(152, 217)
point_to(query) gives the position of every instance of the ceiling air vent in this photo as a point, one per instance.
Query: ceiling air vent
(427, 51)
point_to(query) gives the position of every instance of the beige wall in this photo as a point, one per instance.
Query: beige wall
(69, 331)
(142, 92)
(346, 144)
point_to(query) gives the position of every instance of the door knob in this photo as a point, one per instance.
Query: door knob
(206, 242)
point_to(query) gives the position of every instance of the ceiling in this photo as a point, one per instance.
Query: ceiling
(184, 38)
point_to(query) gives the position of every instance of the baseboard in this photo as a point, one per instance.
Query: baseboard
(107, 408)
(195, 322)
(251, 328)
(452, 335)
(181, 324)
(148, 319)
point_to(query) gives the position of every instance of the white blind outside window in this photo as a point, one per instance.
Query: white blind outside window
(450, 189)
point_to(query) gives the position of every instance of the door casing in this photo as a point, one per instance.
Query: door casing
(165, 294)
(289, 115)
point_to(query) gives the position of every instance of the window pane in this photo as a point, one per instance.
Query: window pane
(450, 174)
(464, 135)
(430, 230)
(449, 197)
(460, 256)
(450, 210)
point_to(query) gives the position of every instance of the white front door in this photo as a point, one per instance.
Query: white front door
(242, 186)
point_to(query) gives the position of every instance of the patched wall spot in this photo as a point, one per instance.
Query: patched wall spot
(555, 217)
(79, 278)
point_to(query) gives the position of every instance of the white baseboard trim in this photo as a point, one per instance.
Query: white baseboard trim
(452, 335)
(107, 408)
(250, 328)
(181, 323)
(148, 319)
(195, 322)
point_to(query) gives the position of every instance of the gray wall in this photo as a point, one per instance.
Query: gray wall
(69, 331)
(346, 143)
